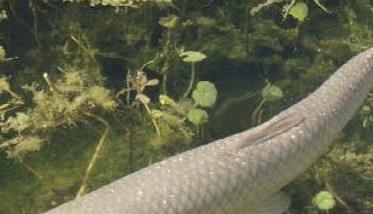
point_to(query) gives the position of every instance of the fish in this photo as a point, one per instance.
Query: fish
(243, 173)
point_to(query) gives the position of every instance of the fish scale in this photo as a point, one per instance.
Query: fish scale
(242, 173)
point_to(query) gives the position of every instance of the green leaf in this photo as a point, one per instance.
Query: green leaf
(205, 94)
(166, 100)
(4, 85)
(205, 21)
(143, 98)
(169, 22)
(197, 116)
(184, 106)
(152, 82)
(324, 200)
(192, 56)
(272, 93)
(169, 118)
(299, 11)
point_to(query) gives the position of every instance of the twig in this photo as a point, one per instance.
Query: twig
(337, 197)
(152, 119)
(95, 154)
(191, 82)
(31, 170)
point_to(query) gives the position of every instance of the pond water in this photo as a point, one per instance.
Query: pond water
(119, 85)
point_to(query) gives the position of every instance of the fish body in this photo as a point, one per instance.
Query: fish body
(245, 172)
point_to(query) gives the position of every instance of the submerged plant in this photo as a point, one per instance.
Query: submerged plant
(191, 57)
(138, 83)
(270, 93)
(324, 201)
(298, 9)
(205, 94)
(67, 102)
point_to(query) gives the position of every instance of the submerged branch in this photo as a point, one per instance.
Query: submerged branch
(31, 170)
(95, 154)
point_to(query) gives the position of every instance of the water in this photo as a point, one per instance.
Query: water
(97, 46)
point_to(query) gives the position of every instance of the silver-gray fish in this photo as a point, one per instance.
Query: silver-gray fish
(243, 173)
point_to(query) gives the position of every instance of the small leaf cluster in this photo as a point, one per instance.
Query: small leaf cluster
(297, 9)
(204, 95)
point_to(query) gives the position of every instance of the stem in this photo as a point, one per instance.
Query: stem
(128, 85)
(95, 154)
(35, 24)
(166, 67)
(254, 116)
(330, 188)
(199, 132)
(152, 119)
(245, 31)
(164, 80)
(130, 149)
(31, 169)
(191, 82)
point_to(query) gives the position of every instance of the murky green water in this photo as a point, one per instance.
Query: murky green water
(93, 55)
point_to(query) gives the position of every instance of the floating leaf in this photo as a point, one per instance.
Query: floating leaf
(365, 109)
(166, 100)
(4, 85)
(205, 94)
(152, 82)
(299, 11)
(192, 56)
(143, 98)
(272, 92)
(169, 21)
(197, 116)
(324, 200)
(205, 21)
(185, 106)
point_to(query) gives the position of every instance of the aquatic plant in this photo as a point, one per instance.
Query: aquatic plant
(205, 94)
(297, 9)
(269, 93)
(191, 57)
(138, 83)
(71, 42)
(68, 102)
(324, 201)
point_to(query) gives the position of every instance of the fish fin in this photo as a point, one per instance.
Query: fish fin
(266, 131)
(277, 204)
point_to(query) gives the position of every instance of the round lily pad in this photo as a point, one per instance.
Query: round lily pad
(324, 200)
(299, 11)
(205, 94)
(169, 22)
(272, 93)
(197, 116)
(192, 56)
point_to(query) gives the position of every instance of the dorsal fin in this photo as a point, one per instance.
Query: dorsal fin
(266, 131)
